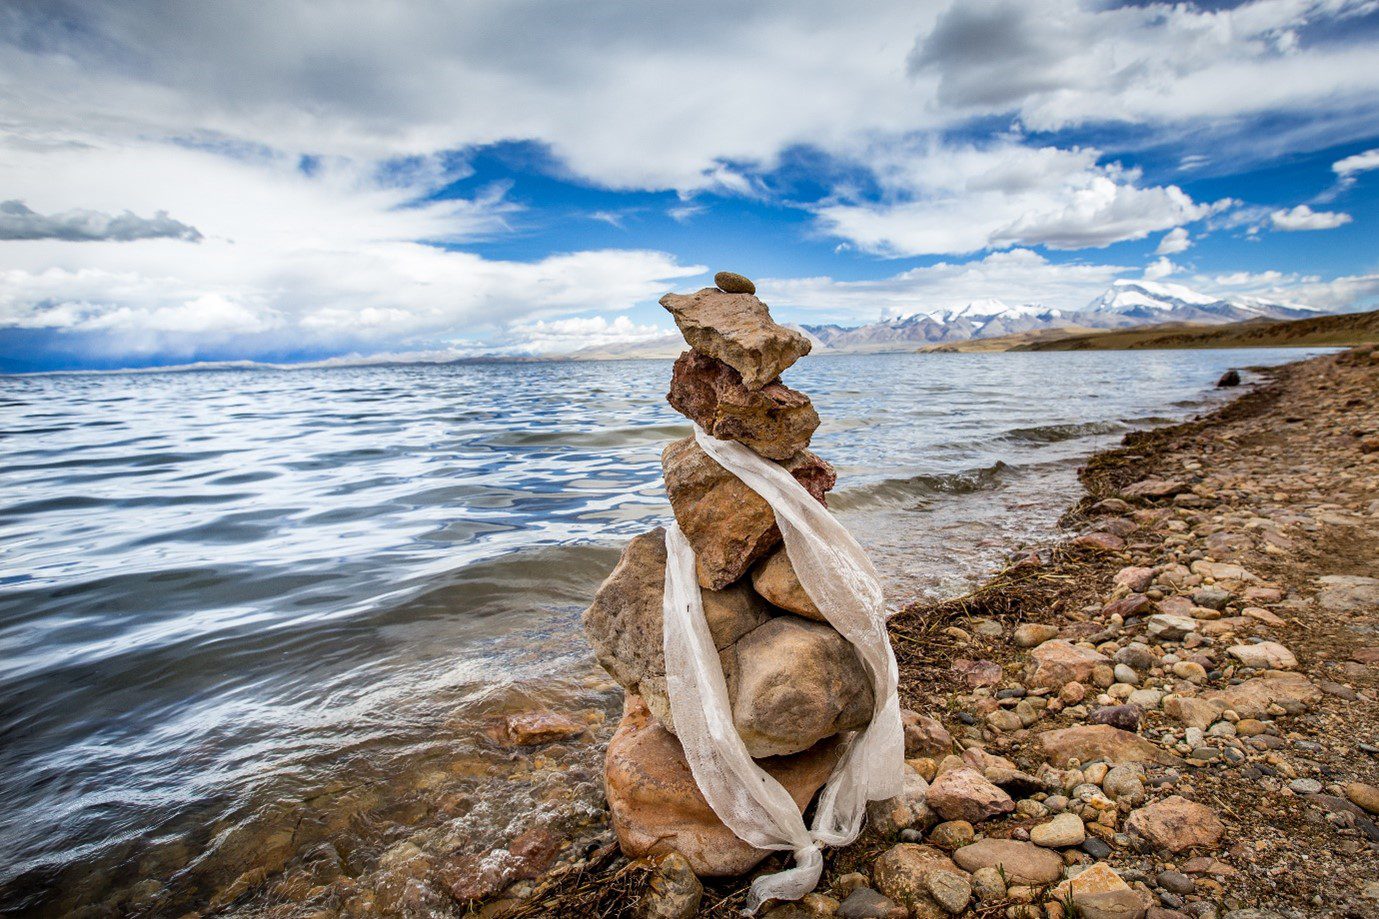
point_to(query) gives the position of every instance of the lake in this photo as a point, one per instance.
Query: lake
(248, 612)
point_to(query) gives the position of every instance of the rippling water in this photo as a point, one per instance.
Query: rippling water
(230, 600)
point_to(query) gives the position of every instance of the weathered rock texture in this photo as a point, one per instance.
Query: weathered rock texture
(657, 808)
(738, 330)
(793, 683)
(728, 525)
(775, 420)
(625, 623)
(774, 578)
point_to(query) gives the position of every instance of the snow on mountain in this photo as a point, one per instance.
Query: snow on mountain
(1126, 303)
(1136, 302)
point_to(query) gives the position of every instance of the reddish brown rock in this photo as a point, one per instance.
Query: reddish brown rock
(1152, 489)
(976, 673)
(733, 283)
(1086, 742)
(965, 794)
(1057, 662)
(1125, 607)
(1252, 698)
(533, 727)
(774, 579)
(1102, 542)
(657, 808)
(728, 525)
(625, 625)
(737, 329)
(1022, 862)
(902, 874)
(775, 420)
(1175, 824)
(925, 736)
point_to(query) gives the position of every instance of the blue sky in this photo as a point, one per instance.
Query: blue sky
(187, 181)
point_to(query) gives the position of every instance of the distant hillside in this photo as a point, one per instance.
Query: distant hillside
(1318, 331)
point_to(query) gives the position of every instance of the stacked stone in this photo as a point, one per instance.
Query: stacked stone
(794, 683)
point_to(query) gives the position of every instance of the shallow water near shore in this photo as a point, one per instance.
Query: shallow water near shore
(243, 613)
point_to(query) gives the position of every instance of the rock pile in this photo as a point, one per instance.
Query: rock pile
(794, 683)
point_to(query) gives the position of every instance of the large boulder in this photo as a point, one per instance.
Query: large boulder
(792, 683)
(657, 808)
(774, 578)
(625, 623)
(775, 420)
(738, 330)
(728, 525)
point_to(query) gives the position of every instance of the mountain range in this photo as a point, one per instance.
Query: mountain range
(1125, 303)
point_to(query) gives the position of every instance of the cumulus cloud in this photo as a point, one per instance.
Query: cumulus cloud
(1303, 217)
(365, 81)
(1160, 268)
(562, 336)
(1014, 276)
(18, 221)
(329, 260)
(945, 199)
(1360, 162)
(1345, 293)
(1174, 241)
(1059, 64)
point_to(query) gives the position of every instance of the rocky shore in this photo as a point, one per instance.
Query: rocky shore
(1171, 713)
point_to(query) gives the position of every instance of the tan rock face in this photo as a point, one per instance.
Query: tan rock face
(738, 330)
(1024, 862)
(775, 420)
(1265, 655)
(1252, 698)
(774, 578)
(965, 794)
(1099, 741)
(1057, 662)
(1175, 824)
(625, 625)
(1100, 893)
(901, 874)
(657, 808)
(728, 525)
(792, 683)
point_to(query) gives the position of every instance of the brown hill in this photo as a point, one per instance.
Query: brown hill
(1318, 331)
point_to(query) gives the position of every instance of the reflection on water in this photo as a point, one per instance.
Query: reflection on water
(244, 614)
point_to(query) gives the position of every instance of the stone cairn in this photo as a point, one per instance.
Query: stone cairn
(794, 683)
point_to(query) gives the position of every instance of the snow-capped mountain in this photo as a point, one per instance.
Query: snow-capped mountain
(985, 318)
(1129, 302)
(1125, 303)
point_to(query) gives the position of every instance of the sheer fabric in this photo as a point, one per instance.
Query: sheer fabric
(839, 578)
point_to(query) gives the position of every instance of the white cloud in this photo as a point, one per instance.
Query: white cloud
(1015, 276)
(958, 199)
(621, 104)
(1339, 294)
(332, 260)
(1360, 162)
(1303, 217)
(1161, 267)
(18, 221)
(1174, 241)
(561, 336)
(1059, 64)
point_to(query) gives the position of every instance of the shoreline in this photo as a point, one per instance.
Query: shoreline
(1068, 591)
